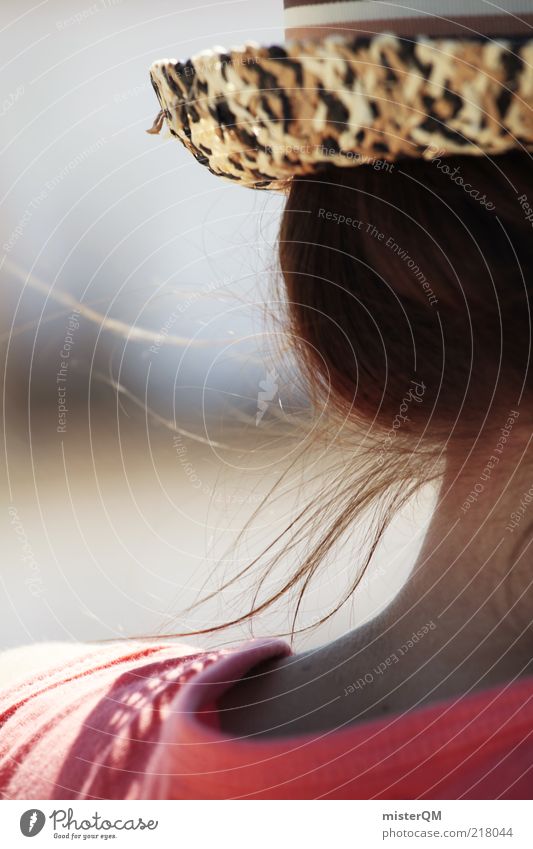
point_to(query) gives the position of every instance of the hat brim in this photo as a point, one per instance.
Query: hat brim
(261, 115)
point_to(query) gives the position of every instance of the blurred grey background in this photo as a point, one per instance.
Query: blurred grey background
(137, 439)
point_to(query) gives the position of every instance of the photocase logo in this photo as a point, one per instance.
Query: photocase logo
(268, 389)
(32, 822)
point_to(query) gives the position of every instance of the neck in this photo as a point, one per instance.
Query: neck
(461, 623)
(470, 591)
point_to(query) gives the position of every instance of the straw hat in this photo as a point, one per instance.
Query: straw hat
(356, 81)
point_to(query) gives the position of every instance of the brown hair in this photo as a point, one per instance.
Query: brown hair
(408, 301)
(431, 283)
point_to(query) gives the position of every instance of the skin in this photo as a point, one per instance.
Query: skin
(472, 579)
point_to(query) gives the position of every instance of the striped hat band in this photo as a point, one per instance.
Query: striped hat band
(469, 18)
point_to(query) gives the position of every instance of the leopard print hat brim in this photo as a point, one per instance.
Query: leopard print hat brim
(262, 115)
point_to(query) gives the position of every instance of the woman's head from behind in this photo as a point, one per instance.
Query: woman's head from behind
(409, 282)
(408, 289)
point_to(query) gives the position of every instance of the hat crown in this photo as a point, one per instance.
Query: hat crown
(304, 18)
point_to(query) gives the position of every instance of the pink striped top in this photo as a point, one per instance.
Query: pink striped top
(133, 721)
